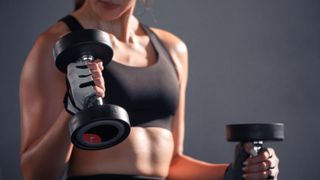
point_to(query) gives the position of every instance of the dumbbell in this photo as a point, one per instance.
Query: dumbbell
(99, 125)
(255, 133)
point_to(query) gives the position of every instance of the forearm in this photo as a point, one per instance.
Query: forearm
(47, 156)
(184, 167)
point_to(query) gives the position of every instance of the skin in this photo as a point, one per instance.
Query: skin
(46, 149)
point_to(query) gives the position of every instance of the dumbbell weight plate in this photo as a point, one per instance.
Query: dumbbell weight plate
(99, 127)
(255, 132)
(72, 46)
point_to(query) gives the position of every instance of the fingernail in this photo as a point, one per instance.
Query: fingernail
(245, 163)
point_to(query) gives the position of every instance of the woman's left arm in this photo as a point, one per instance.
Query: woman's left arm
(185, 167)
(182, 166)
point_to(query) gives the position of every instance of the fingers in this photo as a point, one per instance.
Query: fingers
(96, 64)
(264, 155)
(96, 68)
(100, 92)
(269, 174)
(262, 166)
(255, 176)
(274, 172)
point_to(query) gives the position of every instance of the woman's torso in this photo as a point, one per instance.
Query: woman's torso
(147, 151)
(150, 96)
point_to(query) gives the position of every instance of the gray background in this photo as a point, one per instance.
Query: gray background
(250, 61)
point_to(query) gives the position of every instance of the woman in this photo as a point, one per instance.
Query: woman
(154, 148)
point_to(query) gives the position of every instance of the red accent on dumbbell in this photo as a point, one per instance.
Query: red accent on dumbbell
(91, 138)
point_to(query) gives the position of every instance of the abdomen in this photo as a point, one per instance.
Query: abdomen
(147, 151)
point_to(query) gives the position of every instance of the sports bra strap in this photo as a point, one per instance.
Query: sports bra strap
(159, 46)
(72, 23)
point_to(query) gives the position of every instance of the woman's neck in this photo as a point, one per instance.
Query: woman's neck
(123, 28)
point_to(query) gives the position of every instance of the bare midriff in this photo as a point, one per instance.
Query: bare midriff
(147, 151)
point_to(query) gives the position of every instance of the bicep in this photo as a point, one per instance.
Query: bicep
(41, 92)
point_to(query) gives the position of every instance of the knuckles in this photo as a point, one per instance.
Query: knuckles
(96, 68)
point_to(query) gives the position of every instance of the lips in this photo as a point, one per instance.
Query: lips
(108, 4)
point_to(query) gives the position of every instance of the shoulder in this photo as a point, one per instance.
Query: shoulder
(52, 34)
(39, 67)
(41, 52)
(39, 62)
(176, 48)
(172, 42)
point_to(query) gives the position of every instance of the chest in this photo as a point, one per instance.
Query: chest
(139, 53)
(145, 92)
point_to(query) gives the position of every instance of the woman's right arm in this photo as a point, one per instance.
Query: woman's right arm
(45, 144)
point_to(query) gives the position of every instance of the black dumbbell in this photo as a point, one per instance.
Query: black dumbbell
(255, 133)
(100, 125)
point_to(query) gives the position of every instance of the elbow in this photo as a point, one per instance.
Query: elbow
(26, 168)
(38, 168)
(177, 152)
(27, 164)
(177, 155)
(30, 169)
(176, 169)
(176, 159)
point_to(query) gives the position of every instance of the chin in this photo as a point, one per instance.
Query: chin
(106, 10)
(109, 15)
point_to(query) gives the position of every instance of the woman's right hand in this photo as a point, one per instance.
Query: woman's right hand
(85, 83)
(96, 68)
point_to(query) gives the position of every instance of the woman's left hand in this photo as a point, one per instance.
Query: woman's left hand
(263, 166)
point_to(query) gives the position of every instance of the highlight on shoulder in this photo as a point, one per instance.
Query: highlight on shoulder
(55, 31)
(171, 41)
(177, 49)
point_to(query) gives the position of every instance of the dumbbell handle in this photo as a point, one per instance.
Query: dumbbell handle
(86, 58)
(257, 146)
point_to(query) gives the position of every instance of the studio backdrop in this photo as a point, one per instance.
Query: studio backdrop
(249, 61)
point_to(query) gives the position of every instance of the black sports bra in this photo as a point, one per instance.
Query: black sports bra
(149, 94)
